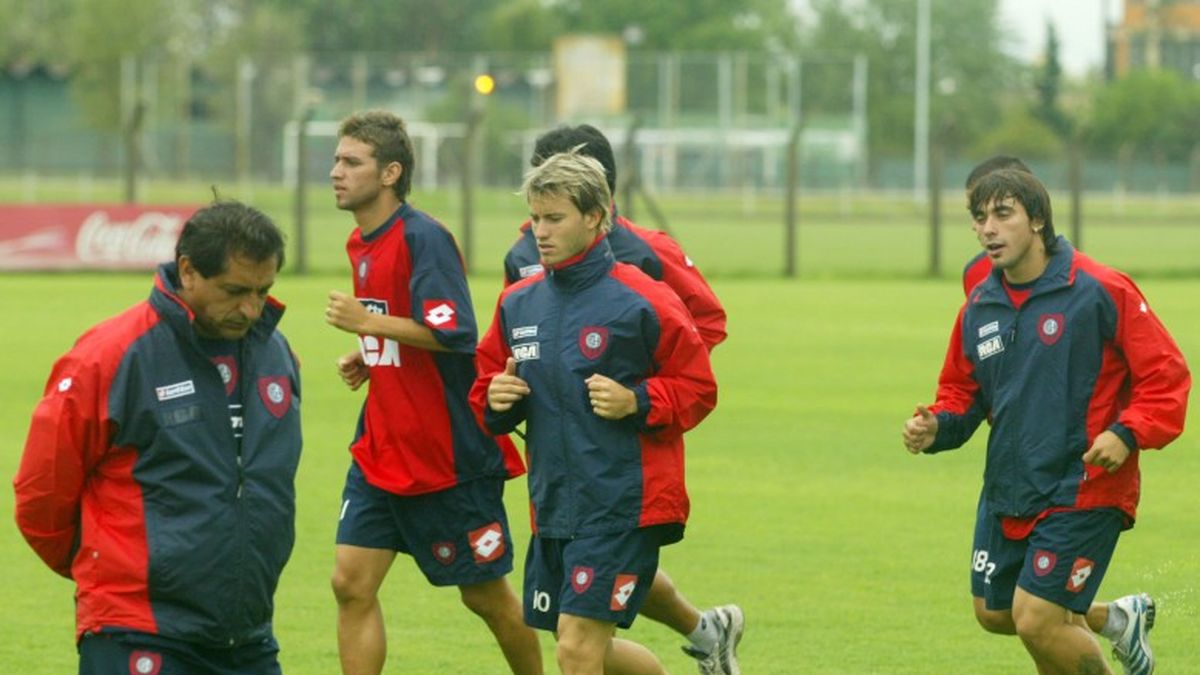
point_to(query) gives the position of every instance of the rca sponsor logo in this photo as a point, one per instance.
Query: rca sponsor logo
(528, 351)
(990, 347)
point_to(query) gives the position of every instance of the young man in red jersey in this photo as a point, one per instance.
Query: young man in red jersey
(606, 369)
(1076, 375)
(714, 634)
(424, 479)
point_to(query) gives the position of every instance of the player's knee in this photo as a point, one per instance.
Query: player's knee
(489, 600)
(995, 622)
(348, 588)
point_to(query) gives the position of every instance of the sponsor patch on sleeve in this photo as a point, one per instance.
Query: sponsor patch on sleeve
(527, 351)
(177, 390)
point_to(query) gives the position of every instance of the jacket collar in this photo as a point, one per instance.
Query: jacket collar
(165, 300)
(1056, 275)
(585, 268)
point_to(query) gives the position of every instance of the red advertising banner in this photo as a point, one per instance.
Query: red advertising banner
(89, 236)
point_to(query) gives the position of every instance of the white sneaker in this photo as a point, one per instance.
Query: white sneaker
(722, 660)
(1132, 649)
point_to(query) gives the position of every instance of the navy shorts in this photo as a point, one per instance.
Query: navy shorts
(458, 536)
(1062, 561)
(129, 653)
(605, 577)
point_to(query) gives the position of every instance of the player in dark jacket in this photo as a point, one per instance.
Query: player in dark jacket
(1125, 621)
(607, 370)
(713, 635)
(159, 469)
(1077, 376)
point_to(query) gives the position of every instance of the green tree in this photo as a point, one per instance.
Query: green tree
(1049, 82)
(711, 25)
(1154, 112)
(969, 67)
(392, 25)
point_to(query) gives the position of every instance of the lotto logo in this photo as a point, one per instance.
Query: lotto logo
(487, 543)
(440, 314)
(623, 589)
(1080, 571)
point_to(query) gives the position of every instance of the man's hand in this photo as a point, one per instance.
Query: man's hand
(610, 399)
(346, 312)
(506, 388)
(920, 430)
(1108, 451)
(353, 370)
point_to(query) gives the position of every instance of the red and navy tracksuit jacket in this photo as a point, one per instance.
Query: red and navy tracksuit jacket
(587, 475)
(1082, 355)
(417, 433)
(653, 252)
(133, 484)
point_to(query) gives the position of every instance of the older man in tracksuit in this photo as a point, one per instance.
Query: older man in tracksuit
(160, 465)
(606, 368)
(1077, 375)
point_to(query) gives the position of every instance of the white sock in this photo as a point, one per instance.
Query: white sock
(705, 636)
(1115, 624)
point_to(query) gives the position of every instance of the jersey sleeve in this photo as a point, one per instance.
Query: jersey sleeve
(683, 390)
(441, 299)
(682, 275)
(490, 358)
(68, 436)
(1159, 379)
(958, 404)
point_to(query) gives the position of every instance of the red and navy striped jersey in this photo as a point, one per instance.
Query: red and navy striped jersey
(416, 433)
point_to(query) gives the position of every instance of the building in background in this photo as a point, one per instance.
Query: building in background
(1153, 34)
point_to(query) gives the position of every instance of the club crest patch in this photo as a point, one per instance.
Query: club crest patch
(593, 341)
(581, 578)
(440, 314)
(1080, 571)
(445, 552)
(1043, 562)
(227, 367)
(1050, 328)
(487, 543)
(144, 663)
(276, 394)
(622, 591)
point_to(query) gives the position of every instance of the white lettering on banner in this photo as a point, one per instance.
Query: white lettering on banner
(149, 238)
(376, 354)
(989, 328)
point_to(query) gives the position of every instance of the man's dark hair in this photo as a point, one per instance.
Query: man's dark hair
(225, 229)
(387, 134)
(1023, 187)
(567, 139)
(994, 163)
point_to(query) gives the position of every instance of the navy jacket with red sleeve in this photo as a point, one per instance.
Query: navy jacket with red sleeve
(589, 475)
(133, 484)
(1082, 355)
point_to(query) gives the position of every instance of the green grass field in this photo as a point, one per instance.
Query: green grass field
(848, 555)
